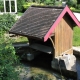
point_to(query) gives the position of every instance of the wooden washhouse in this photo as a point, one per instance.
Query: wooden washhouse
(48, 29)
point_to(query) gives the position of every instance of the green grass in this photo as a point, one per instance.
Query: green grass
(21, 39)
(19, 14)
(76, 36)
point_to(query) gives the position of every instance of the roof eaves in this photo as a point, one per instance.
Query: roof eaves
(47, 6)
(26, 36)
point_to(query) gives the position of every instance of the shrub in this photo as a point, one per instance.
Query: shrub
(76, 10)
(28, 4)
(20, 5)
(78, 6)
(49, 2)
(6, 21)
(1, 6)
(72, 8)
(8, 60)
(72, 3)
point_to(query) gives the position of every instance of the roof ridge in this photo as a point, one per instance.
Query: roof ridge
(47, 6)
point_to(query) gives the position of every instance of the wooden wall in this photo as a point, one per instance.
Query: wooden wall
(63, 37)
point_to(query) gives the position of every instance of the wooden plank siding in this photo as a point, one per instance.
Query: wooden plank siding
(63, 37)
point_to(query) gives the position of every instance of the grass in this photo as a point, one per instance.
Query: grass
(76, 36)
(21, 39)
(19, 14)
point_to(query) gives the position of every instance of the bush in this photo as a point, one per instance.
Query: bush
(6, 21)
(72, 3)
(78, 6)
(72, 8)
(8, 60)
(1, 6)
(20, 5)
(76, 10)
(49, 2)
(28, 4)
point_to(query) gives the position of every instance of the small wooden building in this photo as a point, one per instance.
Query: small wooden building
(50, 26)
(48, 29)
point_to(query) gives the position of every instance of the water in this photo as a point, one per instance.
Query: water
(41, 65)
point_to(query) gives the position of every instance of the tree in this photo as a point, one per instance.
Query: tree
(78, 1)
(49, 2)
(72, 3)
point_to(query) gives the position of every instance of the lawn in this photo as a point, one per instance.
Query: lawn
(76, 36)
(19, 14)
(21, 39)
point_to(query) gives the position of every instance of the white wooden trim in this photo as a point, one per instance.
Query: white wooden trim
(15, 4)
(4, 7)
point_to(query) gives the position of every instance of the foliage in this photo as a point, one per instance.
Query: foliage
(28, 4)
(49, 2)
(76, 36)
(78, 6)
(21, 39)
(20, 4)
(72, 8)
(76, 10)
(1, 5)
(78, 1)
(8, 60)
(72, 3)
(40, 77)
(19, 14)
(12, 6)
(6, 21)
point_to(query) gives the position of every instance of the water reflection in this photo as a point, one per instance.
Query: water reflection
(42, 65)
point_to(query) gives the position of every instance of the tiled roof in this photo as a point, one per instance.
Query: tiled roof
(36, 21)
